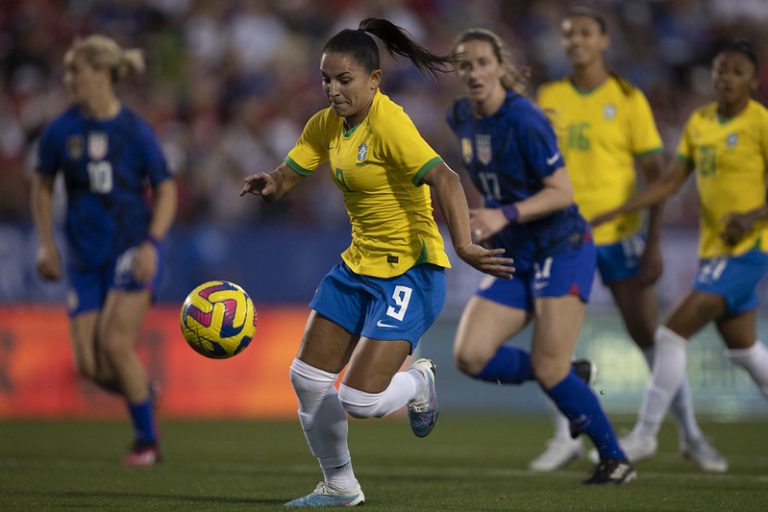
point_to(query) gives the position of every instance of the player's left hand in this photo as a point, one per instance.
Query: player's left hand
(145, 262)
(486, 222)
(737, 225)
(651, 263)
(488, 261)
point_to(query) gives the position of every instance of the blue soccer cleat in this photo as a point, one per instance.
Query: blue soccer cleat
(423, 409)
(324, 496)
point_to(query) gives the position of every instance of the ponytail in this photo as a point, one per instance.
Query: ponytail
(362, 47)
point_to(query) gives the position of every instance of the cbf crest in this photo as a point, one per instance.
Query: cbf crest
(609, 111)
(732, 139)
(484, 150)
(362, 152)
(98, 145)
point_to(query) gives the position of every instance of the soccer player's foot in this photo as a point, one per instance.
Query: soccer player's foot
(559, 453)
(638, 447)
(142, 453)
(423, 409)
(612, 472)
(325, 496)
(704, 455)
(586, 370)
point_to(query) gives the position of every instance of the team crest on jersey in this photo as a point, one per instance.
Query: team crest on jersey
(466, 149)
(484, 150)
(98, 145)
(732, 139)
(75, 146)
(362, 152)
(609, 111)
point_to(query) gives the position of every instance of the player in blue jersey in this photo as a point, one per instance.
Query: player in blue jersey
(370, 311)
(510, 151)
(108, 157)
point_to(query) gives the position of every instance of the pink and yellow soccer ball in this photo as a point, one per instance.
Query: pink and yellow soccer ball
(218, 319)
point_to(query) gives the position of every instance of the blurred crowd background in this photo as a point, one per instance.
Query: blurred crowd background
(230, 84)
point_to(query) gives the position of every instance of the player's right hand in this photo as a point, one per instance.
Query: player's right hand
(48, 263)
(261, 184)
(488, 261)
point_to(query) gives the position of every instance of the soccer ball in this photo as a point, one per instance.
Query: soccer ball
(218, 319)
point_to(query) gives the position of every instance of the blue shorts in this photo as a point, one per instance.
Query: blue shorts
(88, 288)
(734, 278)
(395, 308)
(570, 272)
(621, 260)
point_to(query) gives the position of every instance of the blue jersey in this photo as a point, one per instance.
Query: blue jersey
(508, 155)
(107, 167)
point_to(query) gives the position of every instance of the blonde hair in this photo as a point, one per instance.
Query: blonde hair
(513, 79)
(103, 52)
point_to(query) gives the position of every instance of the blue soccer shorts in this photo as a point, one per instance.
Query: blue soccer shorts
(734, 278)
(396, 308)
(621, 260)
(88, 288)
(570, 272)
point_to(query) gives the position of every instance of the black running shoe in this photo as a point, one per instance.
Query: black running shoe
(586, 370)
(612, 472)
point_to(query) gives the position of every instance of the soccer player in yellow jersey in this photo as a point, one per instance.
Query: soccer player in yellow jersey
(605, 129)
(371, 309)
(726, 144)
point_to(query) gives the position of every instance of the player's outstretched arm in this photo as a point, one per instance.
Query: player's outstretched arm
(453, 203)
(657, 191)
(271, 186)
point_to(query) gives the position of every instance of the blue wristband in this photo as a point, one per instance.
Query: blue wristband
(510, 212)
(154, 241)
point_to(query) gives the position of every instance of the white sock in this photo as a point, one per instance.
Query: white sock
(560, 423)
(324, 423)
(401, 389)
(682, 405)
(667, 376)
(755, 360)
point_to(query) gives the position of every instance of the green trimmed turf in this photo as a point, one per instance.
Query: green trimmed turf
(467, 464)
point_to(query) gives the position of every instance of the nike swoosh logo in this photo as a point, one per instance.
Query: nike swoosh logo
(553, 159)
(382, 324)
(539, 286)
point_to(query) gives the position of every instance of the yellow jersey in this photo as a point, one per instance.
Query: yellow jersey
(730, 157)
(379, 166)
(600, 132)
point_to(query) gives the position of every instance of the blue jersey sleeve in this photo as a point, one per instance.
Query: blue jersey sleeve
(49, 158)
(156, 166)
(538, 144)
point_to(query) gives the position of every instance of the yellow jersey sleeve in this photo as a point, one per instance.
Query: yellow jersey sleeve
(311, 150)
(404, 147)
(644, 135)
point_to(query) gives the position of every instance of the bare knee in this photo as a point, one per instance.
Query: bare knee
(86, 370)
(549, 371)
(471, 361)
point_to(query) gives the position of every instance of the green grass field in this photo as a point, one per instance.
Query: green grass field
(467, 464)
